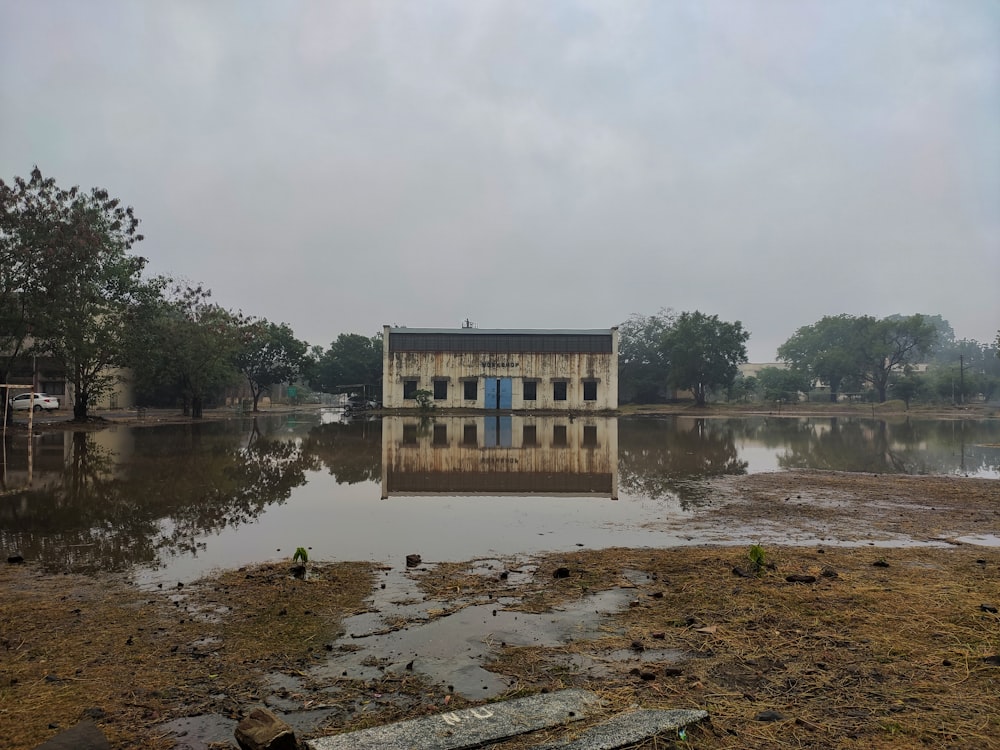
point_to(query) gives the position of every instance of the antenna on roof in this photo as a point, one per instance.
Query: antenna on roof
(468, 324)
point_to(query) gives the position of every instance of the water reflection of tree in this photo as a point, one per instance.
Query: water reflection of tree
(879, 446)
(83, 521)
(659, 458)
(180, 483)
(350, 451)
(235, 485)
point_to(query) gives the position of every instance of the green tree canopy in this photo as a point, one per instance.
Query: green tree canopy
(890, 346)
(184, 345)
(704, 353)
(825, 351)
(73, 277)
(268, 354)
(351, 360)
(780, 384)
(642, 362)
(844, 348)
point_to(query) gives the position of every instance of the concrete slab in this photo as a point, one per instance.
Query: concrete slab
(625, 730)
(469, 727)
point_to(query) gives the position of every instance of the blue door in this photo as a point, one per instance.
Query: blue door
(506, 389)
(498, 393)
(498, 432)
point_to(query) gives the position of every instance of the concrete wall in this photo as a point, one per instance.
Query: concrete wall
(545, 369)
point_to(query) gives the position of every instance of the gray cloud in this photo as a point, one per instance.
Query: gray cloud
(341, 165)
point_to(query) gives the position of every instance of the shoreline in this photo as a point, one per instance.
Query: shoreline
(894, 646)
(890, 410)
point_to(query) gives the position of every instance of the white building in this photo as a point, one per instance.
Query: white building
(499, 369)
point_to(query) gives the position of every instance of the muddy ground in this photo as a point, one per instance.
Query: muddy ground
(891, 643)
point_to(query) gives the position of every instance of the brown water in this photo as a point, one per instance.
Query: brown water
(172, 502)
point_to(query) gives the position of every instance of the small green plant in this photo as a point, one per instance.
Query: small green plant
(758, 558)
(424, 399)
(300, 554)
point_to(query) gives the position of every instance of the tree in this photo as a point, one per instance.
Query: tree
(184, 345)
(351, 360)
(744, 388)
(779, 384)
(890, 346)
(83, 280)
(18, 263)
(825, 351)
(642, 364)
(268, 354)
(704, 352)
(963, 368)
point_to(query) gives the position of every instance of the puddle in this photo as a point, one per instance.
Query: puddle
(450, 650)
(200, 732)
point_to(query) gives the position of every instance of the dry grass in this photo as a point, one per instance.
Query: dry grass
(875, 657)
(73, 646)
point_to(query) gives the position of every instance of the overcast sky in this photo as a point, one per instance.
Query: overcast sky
(340, 165)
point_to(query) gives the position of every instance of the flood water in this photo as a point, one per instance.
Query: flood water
(175, 501)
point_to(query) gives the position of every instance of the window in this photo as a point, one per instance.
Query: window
(440, 390)
(559, 434)
(589, 436)
(530, 390)
(590, 390)
(471, 390)
(440, 434)
(469, 435)
(559, 390)
(530, 435)
(409, 434)
(409, 388)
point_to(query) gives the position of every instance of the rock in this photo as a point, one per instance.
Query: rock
(770, 716)
(84, 736)
(993, 661)
(880, 564)
(262, 730)
(800, 578)
(829, 572)
(738, 571)
(15, 559)
(988, 608)
(413, 561)
(561, 573)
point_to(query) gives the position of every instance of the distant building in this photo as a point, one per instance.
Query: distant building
(500, 369)
(752, 369)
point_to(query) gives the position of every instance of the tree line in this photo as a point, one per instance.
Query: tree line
(73, 291)
(902, 357)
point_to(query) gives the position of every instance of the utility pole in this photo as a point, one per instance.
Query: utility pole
(961, 378)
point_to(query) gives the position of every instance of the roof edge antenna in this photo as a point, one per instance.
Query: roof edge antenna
(468, 324)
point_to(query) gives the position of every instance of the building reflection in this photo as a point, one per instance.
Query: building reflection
(500, 455)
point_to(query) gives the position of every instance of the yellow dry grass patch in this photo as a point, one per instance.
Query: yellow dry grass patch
(72, 646)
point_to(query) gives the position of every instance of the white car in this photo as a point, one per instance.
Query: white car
(40, 401)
